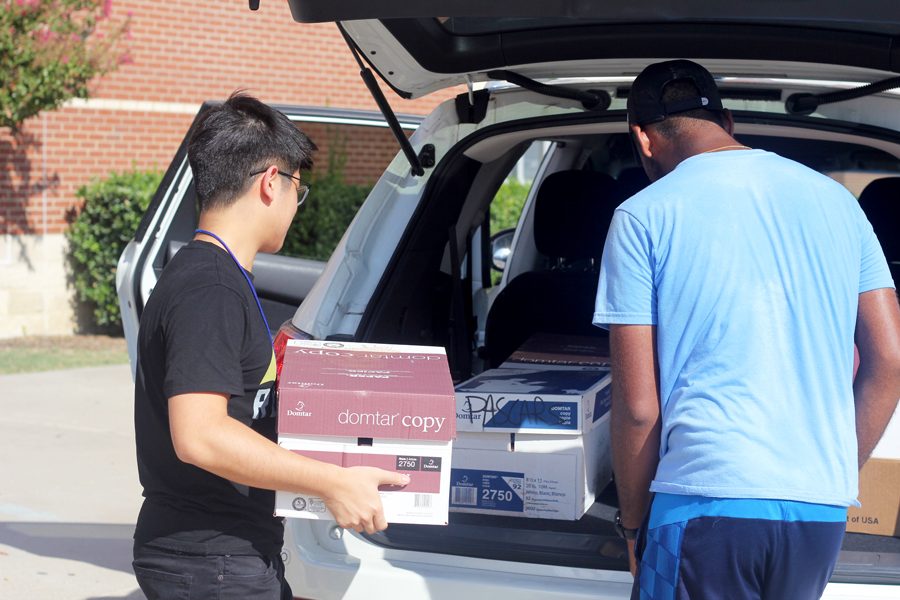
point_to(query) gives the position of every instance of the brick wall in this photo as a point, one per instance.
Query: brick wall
(182, 53)
(368, 150)
(65, 149)
(185, 51)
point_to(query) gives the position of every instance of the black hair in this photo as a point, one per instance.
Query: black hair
(238, 137)
(683, 89)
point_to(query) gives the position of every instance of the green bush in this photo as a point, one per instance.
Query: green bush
(112, 210)
(327, 212)
(505, 210)
(507, 204)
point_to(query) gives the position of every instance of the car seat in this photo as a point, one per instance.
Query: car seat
(880, 200)
(632, 180)
(573, 210)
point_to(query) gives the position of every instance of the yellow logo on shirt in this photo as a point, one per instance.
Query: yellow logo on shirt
(262, 404)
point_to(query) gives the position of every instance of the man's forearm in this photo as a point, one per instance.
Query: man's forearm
(877, 385)
(635, 419)
(237, 453)
(213, 441)
(635, 446)
(205, 436)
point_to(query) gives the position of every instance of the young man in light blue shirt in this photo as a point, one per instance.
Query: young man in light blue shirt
(734, 288)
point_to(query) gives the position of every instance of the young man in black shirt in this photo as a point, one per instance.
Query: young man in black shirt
(204, 397)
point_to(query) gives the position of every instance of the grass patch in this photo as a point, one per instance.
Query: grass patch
(53, 353)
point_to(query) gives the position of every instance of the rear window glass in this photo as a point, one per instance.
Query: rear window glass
(349, 160)
(856, 181)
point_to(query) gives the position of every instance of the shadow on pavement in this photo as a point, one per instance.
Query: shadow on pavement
(135, 595)
(99, 544)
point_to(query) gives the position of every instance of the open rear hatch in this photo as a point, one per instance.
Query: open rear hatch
(424, 46)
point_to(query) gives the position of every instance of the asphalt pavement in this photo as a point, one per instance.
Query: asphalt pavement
(69, 492)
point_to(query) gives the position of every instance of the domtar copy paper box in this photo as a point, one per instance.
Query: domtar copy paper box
(531, 475)
(539, 399)
(424, 501)
(388, 406)
(533, 441)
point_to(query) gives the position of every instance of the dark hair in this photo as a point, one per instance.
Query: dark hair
(238, 137)
(674, 125)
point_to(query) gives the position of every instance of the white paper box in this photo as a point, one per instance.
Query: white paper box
(424, 501)
(377, 405)
(538, 400)
(530, 475)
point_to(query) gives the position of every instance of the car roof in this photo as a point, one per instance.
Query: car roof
(431, 44)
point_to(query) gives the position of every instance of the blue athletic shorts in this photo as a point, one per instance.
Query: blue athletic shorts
(716, 557)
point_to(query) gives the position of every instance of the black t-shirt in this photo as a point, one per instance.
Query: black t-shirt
(201, 331)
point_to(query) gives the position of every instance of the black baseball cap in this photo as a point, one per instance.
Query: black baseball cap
(645, 104)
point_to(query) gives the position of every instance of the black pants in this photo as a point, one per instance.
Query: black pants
(168, 575)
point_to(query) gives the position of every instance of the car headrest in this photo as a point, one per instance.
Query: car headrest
(880, 200)
(632, 180)
(573, 210)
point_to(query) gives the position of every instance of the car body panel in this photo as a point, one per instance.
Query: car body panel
(865, 15)
(332, 564)
(337, 564)
(417, 54)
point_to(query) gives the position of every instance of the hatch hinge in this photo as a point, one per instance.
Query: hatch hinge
(806, 104)
(471, 107)
(427, 156)
(369, 79)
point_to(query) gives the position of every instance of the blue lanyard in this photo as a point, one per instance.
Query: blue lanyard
(247, 277)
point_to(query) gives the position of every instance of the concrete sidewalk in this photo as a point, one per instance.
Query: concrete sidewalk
(69, 493)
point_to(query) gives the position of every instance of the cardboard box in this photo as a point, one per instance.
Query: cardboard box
(423, 501)
(533, 441)
(538, 399)
(561, 350)
(889, 444)
(382, 405)
(879, 494)
(530, 475)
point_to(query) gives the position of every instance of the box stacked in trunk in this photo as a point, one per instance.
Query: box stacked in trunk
(533, 436)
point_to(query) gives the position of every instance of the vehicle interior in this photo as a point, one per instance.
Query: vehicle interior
(439, 290)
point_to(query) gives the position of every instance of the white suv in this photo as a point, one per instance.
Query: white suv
(545, 104)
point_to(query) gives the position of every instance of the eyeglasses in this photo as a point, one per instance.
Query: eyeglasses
(302, 188)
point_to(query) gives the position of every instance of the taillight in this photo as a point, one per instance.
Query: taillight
(286, 332)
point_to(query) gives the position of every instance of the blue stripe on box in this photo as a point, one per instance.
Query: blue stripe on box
(602, 402)
(535, 414)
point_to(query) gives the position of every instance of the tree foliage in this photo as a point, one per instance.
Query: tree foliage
(50, 50)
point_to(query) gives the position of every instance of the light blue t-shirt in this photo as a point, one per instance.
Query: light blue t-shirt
(751, 266)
